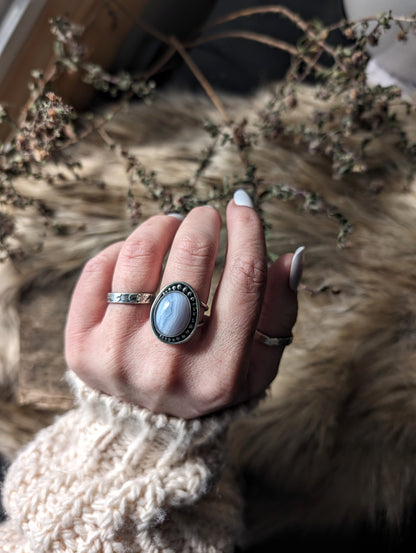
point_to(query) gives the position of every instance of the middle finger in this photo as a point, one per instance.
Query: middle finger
(194, 250)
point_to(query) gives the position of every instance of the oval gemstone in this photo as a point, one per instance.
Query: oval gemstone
(173, 314)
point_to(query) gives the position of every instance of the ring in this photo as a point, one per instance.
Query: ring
(273, 341)
(175, 313)
(130, 299)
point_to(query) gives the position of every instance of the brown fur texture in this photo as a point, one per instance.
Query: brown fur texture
(335, 442)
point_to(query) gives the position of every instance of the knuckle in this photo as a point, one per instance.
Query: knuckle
(171, 377)
(193, 251)
(249, 274)
(160, 387)
(219, 389)
(74, 346)
(77, 362)
(94, 266)
(119, 379)
(115, 368)
(216, 396)
(138, 251)
(157, 385)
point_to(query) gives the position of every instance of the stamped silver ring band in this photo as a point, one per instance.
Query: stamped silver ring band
(130, 298)
(273, 341)
(176, 313)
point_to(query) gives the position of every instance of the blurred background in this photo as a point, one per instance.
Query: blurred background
(123, 34)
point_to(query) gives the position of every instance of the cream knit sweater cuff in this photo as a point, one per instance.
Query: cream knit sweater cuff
(186, 432)
(109, 476)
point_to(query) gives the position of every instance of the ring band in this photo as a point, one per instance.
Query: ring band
(176, 313)
(130, 298)
(273, 341)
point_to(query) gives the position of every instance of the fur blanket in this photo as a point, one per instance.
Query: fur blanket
(335, 442)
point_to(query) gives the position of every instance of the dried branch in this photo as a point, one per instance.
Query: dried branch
(201, 79)
(47, 126)
(306, 27)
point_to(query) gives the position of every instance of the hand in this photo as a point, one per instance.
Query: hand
(113, 349)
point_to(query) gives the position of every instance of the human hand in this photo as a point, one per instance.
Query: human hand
(114, 350)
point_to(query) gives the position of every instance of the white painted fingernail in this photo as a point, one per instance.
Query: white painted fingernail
(296, 269)
(242, 198)
(177, 216)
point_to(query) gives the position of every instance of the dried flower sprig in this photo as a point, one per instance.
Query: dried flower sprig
(342, 129)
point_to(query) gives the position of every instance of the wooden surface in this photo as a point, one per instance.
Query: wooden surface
(42, 314)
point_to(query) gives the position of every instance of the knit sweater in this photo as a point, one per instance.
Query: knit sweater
(111, 477)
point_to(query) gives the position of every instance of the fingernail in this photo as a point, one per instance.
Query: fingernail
(242, 198)
(177, 216)
(296, 269)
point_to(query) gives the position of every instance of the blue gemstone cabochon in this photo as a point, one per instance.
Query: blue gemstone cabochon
(175, 312)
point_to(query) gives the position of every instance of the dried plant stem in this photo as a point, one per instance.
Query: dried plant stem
(248, 35)
(153, 31)
(106, 138)
(247, 12)
(371, 19)
(97, 124)
(201, 79)
(159, 64)
(289, 14)
(180, 48)
(47, 126)
(256, 37)
(50, 76)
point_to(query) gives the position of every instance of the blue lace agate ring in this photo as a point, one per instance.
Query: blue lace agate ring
(176, 312)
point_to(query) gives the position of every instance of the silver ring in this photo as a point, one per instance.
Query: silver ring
(273, 341)
(130, 298)
(176, 312)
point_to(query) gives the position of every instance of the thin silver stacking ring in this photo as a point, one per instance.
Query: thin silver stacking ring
(272, 340)
(130, 298)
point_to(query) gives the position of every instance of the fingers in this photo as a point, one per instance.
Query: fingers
(138, 269)
(89, 299)
(239, 295)
(279, 309)
(194, 250)
(89, 302)
(221, 365)
(250, 296)
(136, 264)
(139, 264)
(278, 315)
(133, 265)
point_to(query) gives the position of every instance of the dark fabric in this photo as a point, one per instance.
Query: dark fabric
(232, 64)
(363, 538)
(240, 65)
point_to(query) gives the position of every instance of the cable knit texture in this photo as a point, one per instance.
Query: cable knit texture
(113, 478)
